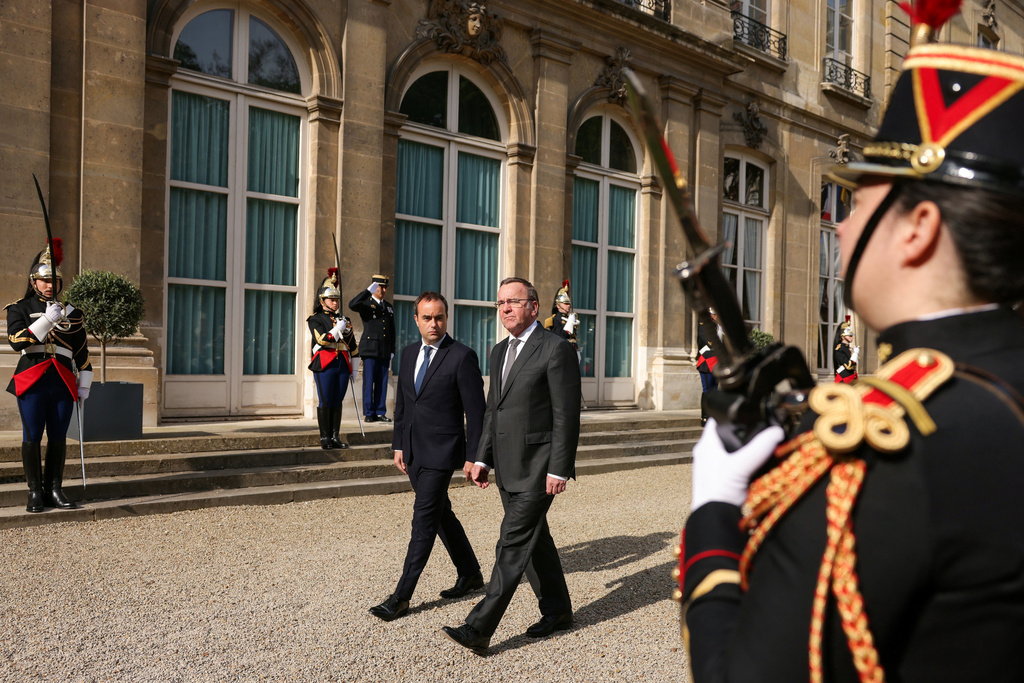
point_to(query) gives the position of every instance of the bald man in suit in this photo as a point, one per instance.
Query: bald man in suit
(530, 434)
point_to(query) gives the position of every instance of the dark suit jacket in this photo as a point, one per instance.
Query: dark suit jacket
(532, 424)
(378, 340)
(429, 427)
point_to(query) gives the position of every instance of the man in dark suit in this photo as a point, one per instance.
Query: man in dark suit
(439, 382)
(376, 346)
(530, 433)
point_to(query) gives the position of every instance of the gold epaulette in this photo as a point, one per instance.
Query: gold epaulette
(874, 409)
(550, 322)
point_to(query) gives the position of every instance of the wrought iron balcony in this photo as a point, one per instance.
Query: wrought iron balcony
(846, 77)
(662, 9)
(758, 36)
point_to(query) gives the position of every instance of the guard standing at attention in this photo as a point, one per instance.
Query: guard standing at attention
(334, 343)
(886, 540)
(376, 346)
(846, 355)
(563, 321)
(53, 372)
(707, 359)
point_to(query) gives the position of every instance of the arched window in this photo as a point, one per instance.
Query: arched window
(604, 237)
(448, 204)
(235, 195)
(744, 217)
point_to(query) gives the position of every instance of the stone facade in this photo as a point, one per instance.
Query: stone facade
(92, 122)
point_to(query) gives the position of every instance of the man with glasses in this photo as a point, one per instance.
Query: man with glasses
(376, 346)
(530, 433)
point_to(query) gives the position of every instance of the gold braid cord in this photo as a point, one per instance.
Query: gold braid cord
(872, 412)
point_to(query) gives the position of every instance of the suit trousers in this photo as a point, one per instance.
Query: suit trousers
(524, 546)
(375, 386)
(432, 517)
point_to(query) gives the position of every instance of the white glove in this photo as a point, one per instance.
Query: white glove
(338, 329)
(46, 322)
(374, 287)
(570, 323)
(53, 312)
(84, 384)
(720, 476)
(855, 356)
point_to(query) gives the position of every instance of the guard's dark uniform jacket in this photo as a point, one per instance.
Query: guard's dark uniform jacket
(326, 350)
(56, 353)
(846, 369)
(930, 564)
(378, 339)
(707, 356)
(556, 323)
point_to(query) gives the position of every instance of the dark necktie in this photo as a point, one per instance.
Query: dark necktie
(423, 368)
(510, 358)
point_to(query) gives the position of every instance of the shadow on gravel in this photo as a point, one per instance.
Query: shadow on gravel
(612, 552)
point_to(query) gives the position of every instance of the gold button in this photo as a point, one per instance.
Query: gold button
(925, 359)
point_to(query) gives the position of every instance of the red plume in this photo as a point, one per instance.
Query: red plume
(333, 274)
(566, 283)
(847, 318)
(933, 13)
(58, 251)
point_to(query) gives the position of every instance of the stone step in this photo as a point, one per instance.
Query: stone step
(285, 492)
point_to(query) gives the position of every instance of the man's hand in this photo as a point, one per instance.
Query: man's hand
(478, 475)
(467, 469)
(374, 288)
(400, 462)
(555, 486)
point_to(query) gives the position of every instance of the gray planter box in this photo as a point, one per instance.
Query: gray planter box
(113, 412)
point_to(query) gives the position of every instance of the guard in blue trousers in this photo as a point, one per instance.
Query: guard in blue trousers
(333, 346)
(53, 372)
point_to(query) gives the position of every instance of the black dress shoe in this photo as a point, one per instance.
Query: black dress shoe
(463, 585)
(390, 609)
(370, 418)
(548, 624)
(383, 418)
(468, 637)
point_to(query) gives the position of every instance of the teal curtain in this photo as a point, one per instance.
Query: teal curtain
(195, 330)
(406, 331)
(584, 277)
(270, 236)
(621, 217)
(476, 265)
(273, 152)
(474, 327)
(420, 183)
(586, 337)
(620, 282)
(199, 139)
(619, 347)
(417, 257)
(197, 236)
(585, 196)
(269, 333)
(479, 188)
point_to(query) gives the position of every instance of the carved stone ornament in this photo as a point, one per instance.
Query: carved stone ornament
(753, 127)
(841, 153)
(611, 76)
(988, 15)
(465, 28)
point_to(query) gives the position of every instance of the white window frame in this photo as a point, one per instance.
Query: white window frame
(744, 212)
(833, 30)
(829, 240)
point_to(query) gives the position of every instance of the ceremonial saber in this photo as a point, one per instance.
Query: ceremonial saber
(81, 438)
(351, 381)
(64, 325)
(352, 384)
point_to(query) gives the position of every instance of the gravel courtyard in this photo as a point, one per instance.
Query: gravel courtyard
(281, 593)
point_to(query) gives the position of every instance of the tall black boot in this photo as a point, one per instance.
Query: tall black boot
(336, 441)
(53, 476)
(323, 419)
(30, 458)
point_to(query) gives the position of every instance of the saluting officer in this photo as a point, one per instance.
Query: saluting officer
(376, 346)
(53, 372)
(846, 355)
(333, 345)
(563, 321)
(886, 542)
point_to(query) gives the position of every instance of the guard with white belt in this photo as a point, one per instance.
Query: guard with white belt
(52, 374)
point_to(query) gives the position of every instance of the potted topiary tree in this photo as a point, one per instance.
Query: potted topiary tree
(113, 308)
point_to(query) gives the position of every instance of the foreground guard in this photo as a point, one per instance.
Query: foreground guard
(53, 372)
(886, 541)
(333, 344)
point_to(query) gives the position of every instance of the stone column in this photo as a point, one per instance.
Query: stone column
(539, 256)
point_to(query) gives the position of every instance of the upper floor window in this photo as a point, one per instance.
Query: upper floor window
(836, 204)
(987, 38)
(254, 53)
(744, 218)
(839, 31)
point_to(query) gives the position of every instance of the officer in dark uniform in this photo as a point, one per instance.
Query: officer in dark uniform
(333, 344)
(886, 541)
(376, 346)
(846, 355)
(563, 321)
(707, 359)
(53, 372)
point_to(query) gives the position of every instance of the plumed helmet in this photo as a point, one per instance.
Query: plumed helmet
(45, 265)
(846, 328)
(562, 296)
(954, 116)
(330, 288)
